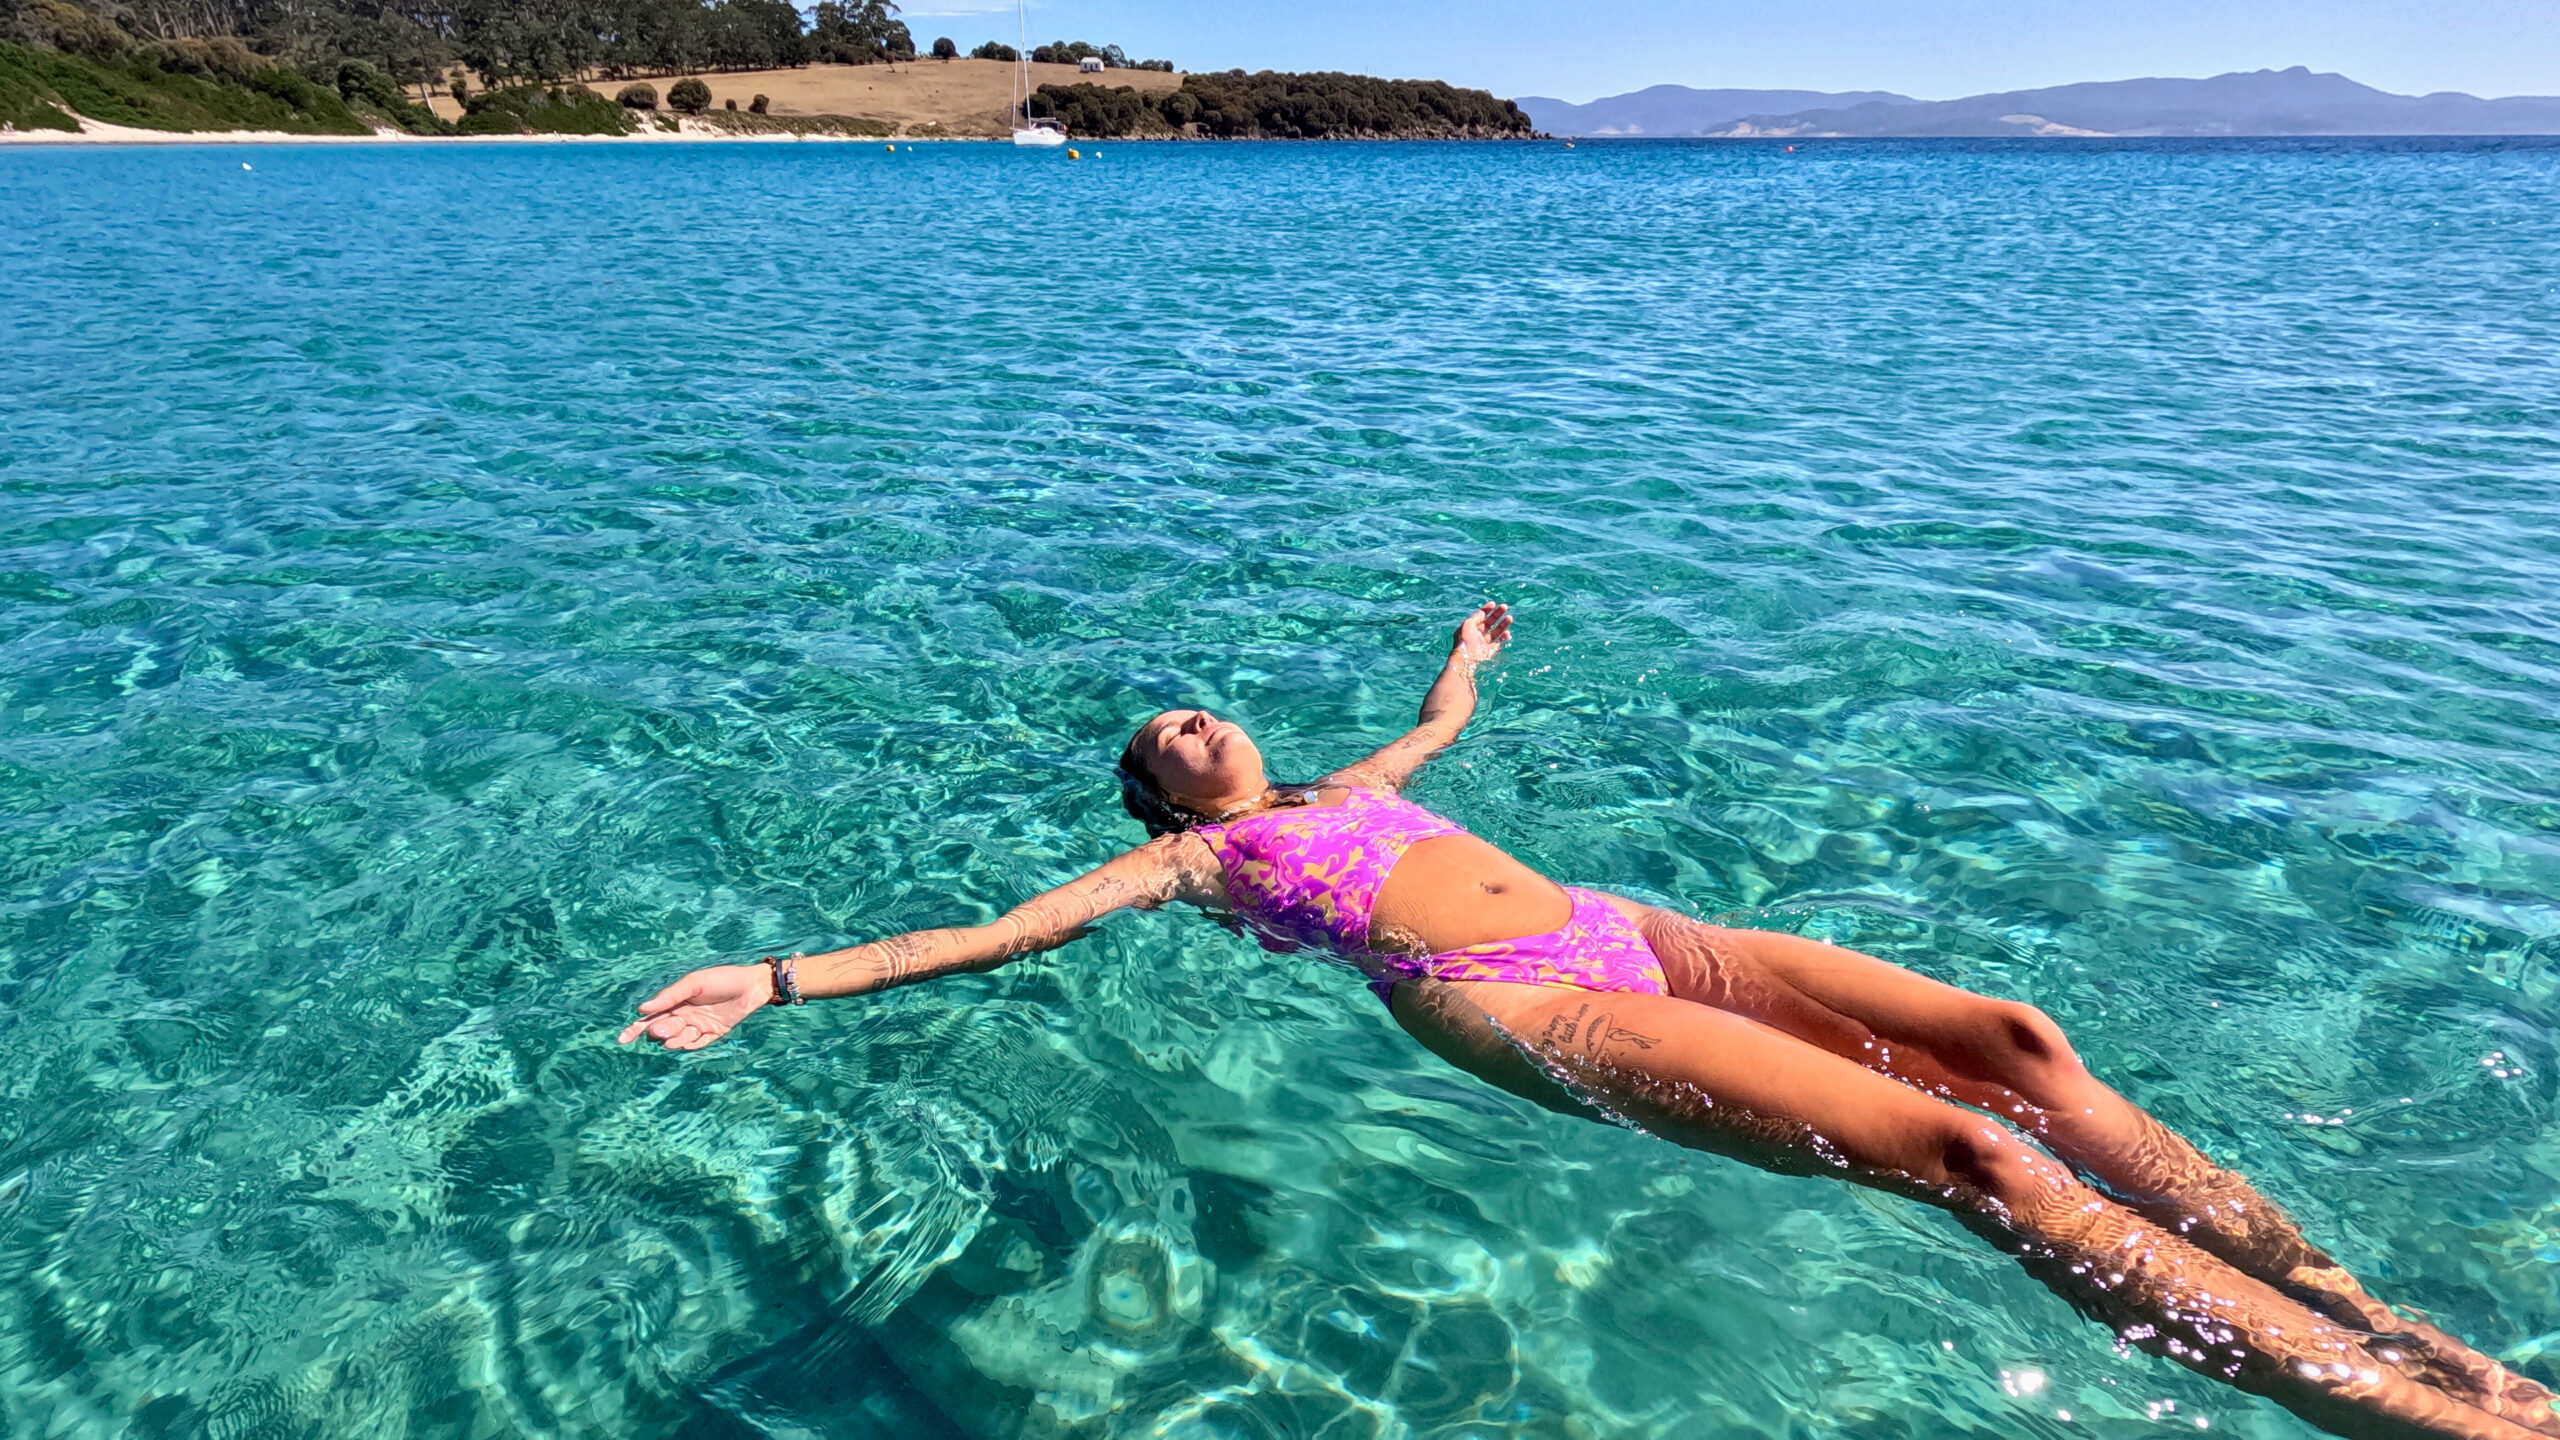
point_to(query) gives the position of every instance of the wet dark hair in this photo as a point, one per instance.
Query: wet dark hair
(1148, 804)
(1145, 799)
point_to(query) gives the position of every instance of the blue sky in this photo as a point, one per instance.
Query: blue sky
(1935, 49)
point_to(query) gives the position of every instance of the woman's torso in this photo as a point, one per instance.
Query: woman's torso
(1369, 870)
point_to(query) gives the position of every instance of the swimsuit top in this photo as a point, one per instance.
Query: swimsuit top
(1308, 876)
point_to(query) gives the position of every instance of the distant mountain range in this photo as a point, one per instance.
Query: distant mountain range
(2257, 102)
(1679, 110)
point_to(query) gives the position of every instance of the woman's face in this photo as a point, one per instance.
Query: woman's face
(1203, 762)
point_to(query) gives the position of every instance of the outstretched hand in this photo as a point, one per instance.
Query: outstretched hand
(701, 1007)
(1482, 635)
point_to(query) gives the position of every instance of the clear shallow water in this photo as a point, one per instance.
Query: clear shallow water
(446, 592)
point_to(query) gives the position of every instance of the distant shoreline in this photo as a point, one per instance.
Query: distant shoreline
(102, 135)
(115, 135)
(893, 103)
(95, 133)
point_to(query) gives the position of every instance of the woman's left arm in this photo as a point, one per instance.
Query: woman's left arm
(1446, 706)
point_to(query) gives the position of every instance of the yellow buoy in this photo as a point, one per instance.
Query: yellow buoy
(892, 149)
(1072, 155)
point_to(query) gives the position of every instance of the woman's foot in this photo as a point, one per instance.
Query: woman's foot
(2424, 1353)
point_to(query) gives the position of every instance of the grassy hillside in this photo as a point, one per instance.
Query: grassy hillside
(38, 87)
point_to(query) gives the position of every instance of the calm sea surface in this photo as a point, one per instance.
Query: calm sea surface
(445, 592)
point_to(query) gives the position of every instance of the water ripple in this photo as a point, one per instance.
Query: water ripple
(443, 593)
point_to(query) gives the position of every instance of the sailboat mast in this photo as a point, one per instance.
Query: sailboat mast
(1022, 55)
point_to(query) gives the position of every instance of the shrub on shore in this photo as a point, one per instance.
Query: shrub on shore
(1272, 105)
(1088, 109)
(637, 97)
(26, 101)
(544, 110)
(175, 86)
(758, 105)
(689, 96)
(369, 92)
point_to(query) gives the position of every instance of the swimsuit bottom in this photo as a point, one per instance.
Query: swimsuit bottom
(1599, 948)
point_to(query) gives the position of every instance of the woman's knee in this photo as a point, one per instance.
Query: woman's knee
(1990, 1164)
(2020, 1047)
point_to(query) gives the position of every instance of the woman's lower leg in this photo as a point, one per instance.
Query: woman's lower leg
(1716, 1081)
(2013, 1061)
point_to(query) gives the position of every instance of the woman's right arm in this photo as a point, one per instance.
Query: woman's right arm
(704, 1005)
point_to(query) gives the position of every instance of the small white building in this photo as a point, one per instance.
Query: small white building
(1091, 65)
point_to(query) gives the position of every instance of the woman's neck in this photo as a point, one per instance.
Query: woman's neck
(1272, 797)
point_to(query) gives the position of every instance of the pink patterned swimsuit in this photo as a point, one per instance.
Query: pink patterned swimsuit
(1308, 877)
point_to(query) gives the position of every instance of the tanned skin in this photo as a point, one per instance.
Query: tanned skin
(1785, 1052)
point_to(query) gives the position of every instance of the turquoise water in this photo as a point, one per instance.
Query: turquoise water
(446, 592)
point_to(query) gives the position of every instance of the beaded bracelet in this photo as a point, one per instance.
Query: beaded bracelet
(786, 979)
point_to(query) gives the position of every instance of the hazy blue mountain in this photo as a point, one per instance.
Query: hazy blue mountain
(1679, 110)
(2257, 102)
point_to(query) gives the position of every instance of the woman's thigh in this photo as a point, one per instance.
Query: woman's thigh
(1861, 1008)
(1711, 1079)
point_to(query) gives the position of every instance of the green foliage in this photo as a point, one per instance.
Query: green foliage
(541, 110)
(1069, 52)
(689, 96)
(995, 50)
(1270, 105)
(637, 97)
(213, 88)
(26, 101)
(412, 42)
(54, 25)
(369, 92)
(858, 32)
(758, 105)
(946, 48)
(1091, 110)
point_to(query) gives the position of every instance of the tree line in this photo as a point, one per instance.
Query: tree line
(417, 41)
(1070, 52)
(1274, 105)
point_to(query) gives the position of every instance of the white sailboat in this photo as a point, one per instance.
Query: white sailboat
(1044, 132)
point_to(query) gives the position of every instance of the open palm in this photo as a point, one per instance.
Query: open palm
(701, 1007)
(1482, 635)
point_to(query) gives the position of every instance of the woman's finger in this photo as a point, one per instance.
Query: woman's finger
(674, 995)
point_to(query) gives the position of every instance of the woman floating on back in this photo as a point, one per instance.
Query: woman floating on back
(1786, 1052)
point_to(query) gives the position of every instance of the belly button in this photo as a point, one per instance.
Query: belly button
(1493, 889)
